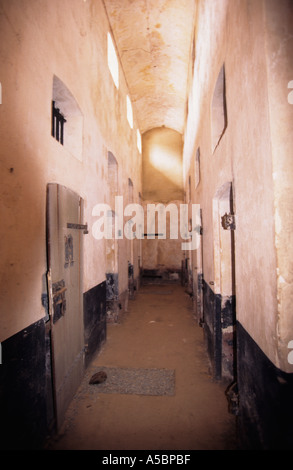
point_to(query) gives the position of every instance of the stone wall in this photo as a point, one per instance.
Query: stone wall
(248, 264)
(57, 51)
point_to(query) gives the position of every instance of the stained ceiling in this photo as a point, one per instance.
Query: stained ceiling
(154, 41)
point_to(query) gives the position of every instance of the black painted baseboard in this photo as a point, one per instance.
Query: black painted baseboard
(26, 393)
(265, 418)
(212, 329)
(265, 393)
(265, 410)
(219, 325)
(23, 385)
(160, 276)
(95, 328)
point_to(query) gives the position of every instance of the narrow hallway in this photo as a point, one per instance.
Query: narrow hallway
(146, 138)
(158, 334)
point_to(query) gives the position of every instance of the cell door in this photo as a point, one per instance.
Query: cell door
(64, 251)
(198, 276)
(224, 280)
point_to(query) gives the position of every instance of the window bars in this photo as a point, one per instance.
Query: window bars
(58, 121)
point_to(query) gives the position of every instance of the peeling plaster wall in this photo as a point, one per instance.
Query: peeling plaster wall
(253, 186)
(244, 155)
(279, 54)
(253, 40)
(40, 39)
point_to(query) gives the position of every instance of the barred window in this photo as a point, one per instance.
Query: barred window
(58, 121)
(67, 119)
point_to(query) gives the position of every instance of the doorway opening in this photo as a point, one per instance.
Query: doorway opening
(224, 280)
(112, 278)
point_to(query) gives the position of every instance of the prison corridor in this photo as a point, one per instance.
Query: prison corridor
(159, 392)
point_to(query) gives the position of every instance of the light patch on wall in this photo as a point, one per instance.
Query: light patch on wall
(167, 162)
(138, 140)
(69, 108)
(129, 111)
(113, 61)
(219, 110)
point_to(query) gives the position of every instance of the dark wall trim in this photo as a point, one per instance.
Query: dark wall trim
(219, 319)
(23, 389)
(112, 290)
(26, 394)
(265, 418)
(264, 392)
(161, 276)
(94, 311)
(212, 328)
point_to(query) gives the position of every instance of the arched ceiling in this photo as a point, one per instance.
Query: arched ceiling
(154, 40)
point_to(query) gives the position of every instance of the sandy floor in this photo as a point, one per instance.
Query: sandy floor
(158, 332)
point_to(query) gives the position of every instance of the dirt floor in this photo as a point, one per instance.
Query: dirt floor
(158, 332)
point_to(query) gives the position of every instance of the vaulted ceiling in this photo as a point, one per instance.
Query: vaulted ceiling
(154, 40)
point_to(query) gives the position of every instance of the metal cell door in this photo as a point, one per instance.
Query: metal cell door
(198, 276)
(64, 252)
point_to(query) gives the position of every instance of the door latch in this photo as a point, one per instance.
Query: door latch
(228, 222)
(59, 301)
(78, 227)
